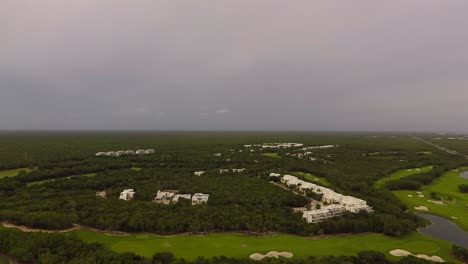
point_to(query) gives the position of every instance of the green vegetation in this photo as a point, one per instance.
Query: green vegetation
(55, 248)
(29, 184)
(425, 152)
(402, 174)
(4, 260)
(271, 155)
(12, 173)
(62, 190)
(444, 190)
(241, 246)
(314, 179)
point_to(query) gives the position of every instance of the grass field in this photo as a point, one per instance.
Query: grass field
(12, 173)
(136, 169)
(446, 187)
(241, 246)
(272, 155)
(314, 179)
(402, 174)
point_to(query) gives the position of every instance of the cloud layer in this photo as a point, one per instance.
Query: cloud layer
(243, 65)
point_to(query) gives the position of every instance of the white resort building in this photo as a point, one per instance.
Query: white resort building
(127, 195)
(198, 173)
(200, 198)
(150, 151)
(126, 152)
(335, 203)
(141, 152)
(101, 194)
(165, 197)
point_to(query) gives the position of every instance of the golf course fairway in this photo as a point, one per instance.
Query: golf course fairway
(241, 246)
(452, 203)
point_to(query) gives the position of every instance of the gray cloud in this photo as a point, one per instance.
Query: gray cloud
(262, 64)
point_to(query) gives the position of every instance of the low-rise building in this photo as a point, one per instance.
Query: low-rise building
(165, 196)
(127, 195)
(101, 194)
(141, 152)
(275, 174)
(100, 154)
(150, 151)
(238, 170)
(198, 173)
(221, 171)
(326, 212)
(200, 198)
(338, 203)
(177, 197)
(112, 154)
(130, 152)
(121, 152)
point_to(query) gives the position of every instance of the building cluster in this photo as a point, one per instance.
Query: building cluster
(334, 203)
(166, 196)
(173, 196)
(305, 155)
(275, 145)
(282, 145)
(126, 153)
(319, 147)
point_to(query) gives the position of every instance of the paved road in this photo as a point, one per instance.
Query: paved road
(450, 151)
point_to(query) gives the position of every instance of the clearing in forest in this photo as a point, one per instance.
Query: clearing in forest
(272, 155)
(402, 174)
(314, 179)
(12, 173)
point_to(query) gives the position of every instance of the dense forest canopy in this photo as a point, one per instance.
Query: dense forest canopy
(59, 190)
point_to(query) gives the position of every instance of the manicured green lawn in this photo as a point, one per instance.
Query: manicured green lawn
(272, 155)
(29, 184)
(446, 187)
(402, 174)
(314, 179)
(241, 246)
(12, 173)
(136, 169)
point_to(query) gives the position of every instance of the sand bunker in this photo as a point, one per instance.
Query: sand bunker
(404, 253)
(420, 195)
(421, 208)
(419, 192)
(409, 195)
(271, 254)
(436, 202)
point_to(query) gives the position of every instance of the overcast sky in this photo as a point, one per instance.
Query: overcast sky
(234, 65)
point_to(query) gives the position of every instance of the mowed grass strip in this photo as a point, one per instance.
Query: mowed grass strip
(272, 155)
(455, 206)
(402, 174)
(12, 173)
(314, 179)
(241, 246)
